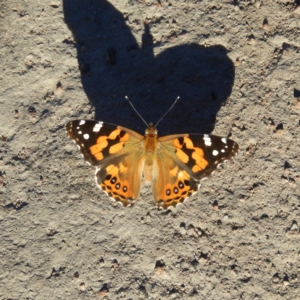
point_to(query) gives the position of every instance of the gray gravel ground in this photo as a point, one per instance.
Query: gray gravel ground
(236, 66)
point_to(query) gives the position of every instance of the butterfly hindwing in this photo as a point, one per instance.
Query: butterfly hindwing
(121, 178)
(172, 183)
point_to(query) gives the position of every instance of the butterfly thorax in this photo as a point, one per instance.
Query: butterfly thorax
(150, 140)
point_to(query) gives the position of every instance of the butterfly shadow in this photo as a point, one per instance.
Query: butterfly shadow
(112, 65)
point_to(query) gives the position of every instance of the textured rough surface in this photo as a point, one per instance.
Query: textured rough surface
(235, 65)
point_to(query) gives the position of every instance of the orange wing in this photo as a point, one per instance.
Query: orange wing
(116, 152)
(184, 160)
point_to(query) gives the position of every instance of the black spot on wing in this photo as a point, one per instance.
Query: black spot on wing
(180, 140)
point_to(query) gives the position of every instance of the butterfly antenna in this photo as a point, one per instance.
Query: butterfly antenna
(167, 111)
(136, 110)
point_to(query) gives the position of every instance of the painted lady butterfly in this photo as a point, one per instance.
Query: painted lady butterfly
(174, 164)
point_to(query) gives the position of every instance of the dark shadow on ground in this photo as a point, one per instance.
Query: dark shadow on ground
(113, 65)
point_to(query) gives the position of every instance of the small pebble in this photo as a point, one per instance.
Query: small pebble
(285, 283)
(251, 41)
(225, 218)
(182, 230)
(54, 5)
(294, 227)
(297, 10)
(265, 26)
(297, 102)
(237, 62)
(257, 4)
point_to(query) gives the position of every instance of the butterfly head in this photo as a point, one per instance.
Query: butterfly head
(151, 131)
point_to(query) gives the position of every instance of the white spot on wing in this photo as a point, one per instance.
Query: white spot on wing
(86, 136)
(207, 140)
(215, 153)
(224, 140)
(97, 127)
(222, 150)
(79, 132)
(82, 122)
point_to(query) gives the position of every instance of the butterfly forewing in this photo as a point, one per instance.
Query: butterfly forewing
(99, 141)
(201, 154)
(206, 152)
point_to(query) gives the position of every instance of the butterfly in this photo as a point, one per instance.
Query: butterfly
(174, 164)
